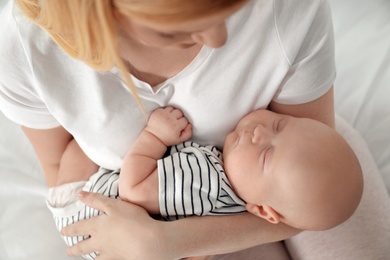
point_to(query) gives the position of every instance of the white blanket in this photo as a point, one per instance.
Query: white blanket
(362, 95)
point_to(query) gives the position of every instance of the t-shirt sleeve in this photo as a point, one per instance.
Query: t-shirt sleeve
(307, 39)
(19, 99)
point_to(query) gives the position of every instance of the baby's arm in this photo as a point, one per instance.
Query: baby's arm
(75, 165)
(138, 181)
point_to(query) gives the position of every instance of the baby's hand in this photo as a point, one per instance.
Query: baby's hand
(169, 125)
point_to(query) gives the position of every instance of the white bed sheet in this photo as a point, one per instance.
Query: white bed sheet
(362, 98)
(362, 88)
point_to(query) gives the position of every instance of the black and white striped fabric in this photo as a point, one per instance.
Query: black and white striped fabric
(192, 181)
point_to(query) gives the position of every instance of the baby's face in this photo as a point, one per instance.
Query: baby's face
(261, 152)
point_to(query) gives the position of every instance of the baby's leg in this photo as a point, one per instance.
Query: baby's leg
(366, 234)
(75, 165)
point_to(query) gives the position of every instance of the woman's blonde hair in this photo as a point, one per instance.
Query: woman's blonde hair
(86, 29)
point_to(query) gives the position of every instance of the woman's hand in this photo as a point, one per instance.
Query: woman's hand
(125, 231)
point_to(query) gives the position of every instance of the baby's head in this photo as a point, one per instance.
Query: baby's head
(293, 170)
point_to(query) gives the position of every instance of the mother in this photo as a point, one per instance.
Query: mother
(113, 61)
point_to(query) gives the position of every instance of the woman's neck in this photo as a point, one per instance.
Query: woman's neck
(155, 65)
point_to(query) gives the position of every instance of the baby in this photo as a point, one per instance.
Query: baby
(284, 169)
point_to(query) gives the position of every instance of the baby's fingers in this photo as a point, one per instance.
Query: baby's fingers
(186, 133)
(177, 113)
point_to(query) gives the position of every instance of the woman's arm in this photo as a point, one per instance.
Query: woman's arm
(321, 109)
(212, 235)
(75, 165)
(127, 232)
(60, 156)
(49, 145)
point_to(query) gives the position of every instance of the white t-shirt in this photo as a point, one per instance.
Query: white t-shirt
(281, 50)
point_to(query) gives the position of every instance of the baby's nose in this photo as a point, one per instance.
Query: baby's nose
(260, 135)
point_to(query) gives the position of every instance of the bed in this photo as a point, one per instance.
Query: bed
(362, 100)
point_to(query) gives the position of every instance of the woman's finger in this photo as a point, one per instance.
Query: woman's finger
(96, 201)
(82, 248)
(103, 257)
(81, 228)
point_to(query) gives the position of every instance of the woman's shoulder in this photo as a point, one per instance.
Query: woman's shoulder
(14, 64)
(301, 21)
(9, 33)
(28, 53)
(282, 10)
(295, 7)
(22, 40)
(285, 23)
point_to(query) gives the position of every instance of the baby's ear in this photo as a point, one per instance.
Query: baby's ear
(264, 211)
